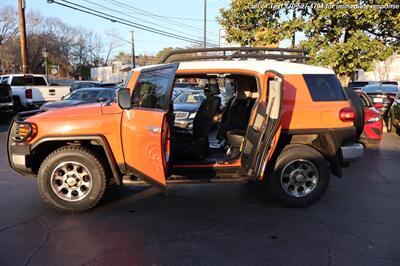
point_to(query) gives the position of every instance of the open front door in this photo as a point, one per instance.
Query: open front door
(145, 129)
(264, 129)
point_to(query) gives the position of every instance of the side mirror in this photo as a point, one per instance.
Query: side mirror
(101, 99)
(124, 98)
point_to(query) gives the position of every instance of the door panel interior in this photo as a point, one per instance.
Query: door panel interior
(264, 127)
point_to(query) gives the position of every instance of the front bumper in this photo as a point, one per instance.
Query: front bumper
(6, 106)
(352, 153)
(184, 123)
(18, 154)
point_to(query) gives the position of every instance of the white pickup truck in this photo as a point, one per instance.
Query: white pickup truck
(31, 91)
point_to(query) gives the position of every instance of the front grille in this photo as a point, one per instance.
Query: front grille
(5, 99)
(5, 90)
(181, 115)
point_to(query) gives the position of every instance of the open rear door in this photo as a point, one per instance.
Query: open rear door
(145, 129)
(264, 129)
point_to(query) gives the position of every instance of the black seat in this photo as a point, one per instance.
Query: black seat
(237, 114)
(196, 145)
(234, 139)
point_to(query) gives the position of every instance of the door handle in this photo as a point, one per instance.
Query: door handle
(154, 129)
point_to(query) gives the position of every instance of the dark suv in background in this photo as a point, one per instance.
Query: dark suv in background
(393, 120)
(382, 96)
(6, 99)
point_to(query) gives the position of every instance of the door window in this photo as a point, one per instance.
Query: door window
(152, 89)
(108, 95)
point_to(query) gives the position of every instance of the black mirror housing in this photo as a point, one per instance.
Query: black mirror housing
(124, 98)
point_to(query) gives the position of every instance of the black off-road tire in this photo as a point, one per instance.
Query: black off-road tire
(85, 157)
(289, 154)
(359, 109)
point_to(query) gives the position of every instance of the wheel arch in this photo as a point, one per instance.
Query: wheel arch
(43, 147)
(324, 142)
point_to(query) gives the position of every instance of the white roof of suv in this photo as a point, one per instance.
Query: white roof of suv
(256, 66)
(260, 66)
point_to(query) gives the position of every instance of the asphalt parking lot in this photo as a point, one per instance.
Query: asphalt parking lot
(356, 223)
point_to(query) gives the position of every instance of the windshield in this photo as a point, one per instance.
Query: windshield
(83, 95)
(383, 88)
(190, 97)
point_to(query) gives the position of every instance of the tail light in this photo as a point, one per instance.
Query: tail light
(28, 93)
(347, 114)
(378, 105)
(24, 131)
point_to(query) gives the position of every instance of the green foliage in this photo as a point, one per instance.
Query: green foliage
(345, 34)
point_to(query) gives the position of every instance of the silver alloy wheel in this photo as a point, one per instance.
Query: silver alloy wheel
(299, 178)
(71, 181)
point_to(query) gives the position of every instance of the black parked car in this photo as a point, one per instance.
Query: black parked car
(393, 119)
(82, 96)
(186, 105)
(6, 99)
(382, 96)
(358, 85)
(92, 84)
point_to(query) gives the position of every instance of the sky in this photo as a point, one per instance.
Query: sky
(145, 42)
(183, 17)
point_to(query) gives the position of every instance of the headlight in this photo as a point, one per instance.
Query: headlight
(192, 115)
(24, 131)
(374, 119)
(181, 115)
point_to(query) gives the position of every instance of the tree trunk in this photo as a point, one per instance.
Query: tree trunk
(344, 80)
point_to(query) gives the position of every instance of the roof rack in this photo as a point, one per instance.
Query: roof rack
(239, 53)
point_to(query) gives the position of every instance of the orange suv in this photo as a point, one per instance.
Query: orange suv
(287, 124)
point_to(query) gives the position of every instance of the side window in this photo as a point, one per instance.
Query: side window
(152, 89)
(39, 81)
(5, 80)
(75, 86)
(107, 94)
(324, 87)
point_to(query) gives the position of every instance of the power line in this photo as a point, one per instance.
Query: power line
(115, 19)
(144, 12)
(143, 20)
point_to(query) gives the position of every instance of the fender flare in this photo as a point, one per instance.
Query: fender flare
(101, 140)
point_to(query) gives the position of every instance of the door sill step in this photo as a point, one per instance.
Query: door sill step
(131, 181)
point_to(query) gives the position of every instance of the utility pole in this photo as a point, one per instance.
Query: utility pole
(133, 50)
(294, 32)
(22, 30)
(205, 24)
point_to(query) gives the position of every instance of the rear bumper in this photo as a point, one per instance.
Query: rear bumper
(352, 153)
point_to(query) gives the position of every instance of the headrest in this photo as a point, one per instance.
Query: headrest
(241, 94)
(247, 84)
(212, 86)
